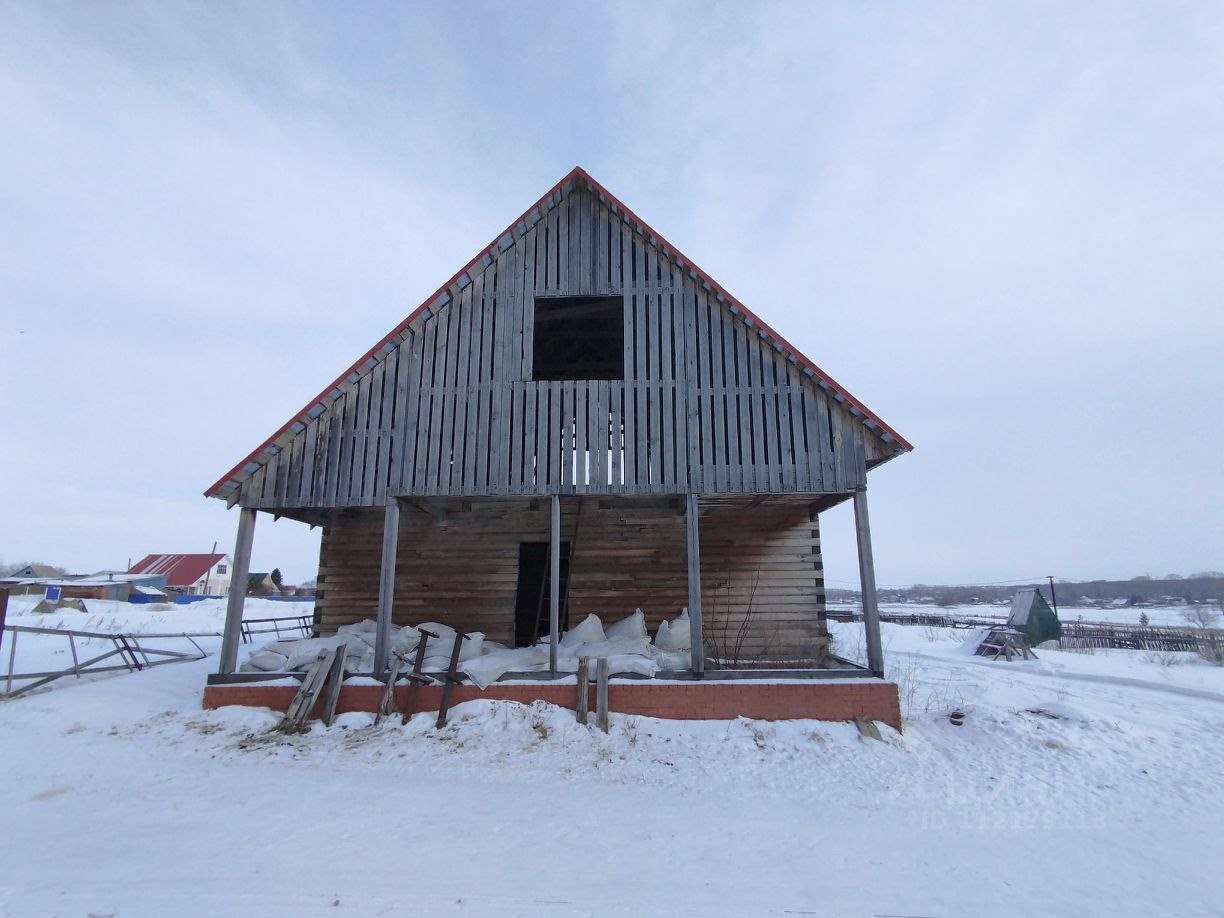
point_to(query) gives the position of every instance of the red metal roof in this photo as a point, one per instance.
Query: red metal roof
(491, 249)
(180, 570)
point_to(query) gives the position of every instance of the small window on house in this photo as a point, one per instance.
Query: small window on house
(579, 337)
(221, 568)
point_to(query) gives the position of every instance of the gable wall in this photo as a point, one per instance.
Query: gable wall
(707, 404)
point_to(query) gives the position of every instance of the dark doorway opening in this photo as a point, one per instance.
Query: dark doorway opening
(532, 603)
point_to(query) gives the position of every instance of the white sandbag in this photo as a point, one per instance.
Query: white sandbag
(588, 631)
(442, 634)
(674, 635)
(672, 660)
(405, 640)
(305, 652)
(631, 663)
(639, 646)
(445, 645)
(488, 668)
(267, 661)
(631, 626)
(472, 647)
(363, 627)
(435, 663)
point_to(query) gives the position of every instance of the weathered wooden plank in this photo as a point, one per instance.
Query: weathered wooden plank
(616, 396)
(582, 446)
(828, 447)
(641, 419)
(451, 469)
(503, 310)
(531, 414)
(735, 462)
(692, 426)
(556, 436)
(769, 415)
(525, 313)
(516, 438)
(786, 450)
(369, 431)
(718, 389)
(425, 411)
(565, 478)
(680, 388)
(705, 386)
(563, 247)
(603, 281)
(599, 434)
(747, 430)
(667, 375)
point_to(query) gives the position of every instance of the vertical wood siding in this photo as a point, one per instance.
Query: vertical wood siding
(707, 404)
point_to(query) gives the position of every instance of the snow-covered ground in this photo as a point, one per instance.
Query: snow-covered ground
(119, 796)
(1120, 615)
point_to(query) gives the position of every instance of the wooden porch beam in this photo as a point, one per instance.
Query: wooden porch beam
(386, 589)
(428, 508)
(239, 572)
(554, 607)
(696, 639)
(867, 583)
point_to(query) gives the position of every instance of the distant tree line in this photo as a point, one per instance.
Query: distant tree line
(1203, 588)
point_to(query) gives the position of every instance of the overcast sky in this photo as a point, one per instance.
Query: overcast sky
(1000, 226)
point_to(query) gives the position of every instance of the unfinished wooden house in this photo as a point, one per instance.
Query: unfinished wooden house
(579, 420)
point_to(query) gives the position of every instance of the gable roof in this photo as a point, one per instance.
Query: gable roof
(179, 570)
(503, 240)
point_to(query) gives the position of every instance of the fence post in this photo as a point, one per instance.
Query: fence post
(601, 694)
(584, 683)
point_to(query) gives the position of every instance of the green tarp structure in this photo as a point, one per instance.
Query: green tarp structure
(1032, 616)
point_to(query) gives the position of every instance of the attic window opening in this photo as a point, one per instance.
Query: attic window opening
(578, 337)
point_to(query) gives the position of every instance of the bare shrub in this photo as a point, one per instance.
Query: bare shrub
(1164, 658)
(1201, 616)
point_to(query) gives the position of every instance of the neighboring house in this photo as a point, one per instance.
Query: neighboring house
(581, 420)
(261, 585)
(102, 585)
(194, 575)
(36, 570)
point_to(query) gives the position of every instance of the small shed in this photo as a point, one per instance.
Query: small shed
(1032, 616)
(580, 419)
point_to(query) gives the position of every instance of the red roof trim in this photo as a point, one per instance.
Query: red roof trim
(577, 172)
(179, 569)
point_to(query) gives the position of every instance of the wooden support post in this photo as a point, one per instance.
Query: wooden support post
(4, 596)
(867, 583)
(601, 694)
(239, 572)
(386, 588)
(697, 649)
(554, 609)
(584, 687)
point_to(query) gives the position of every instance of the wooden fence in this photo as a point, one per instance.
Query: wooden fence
(130, 652)
(1077, 635)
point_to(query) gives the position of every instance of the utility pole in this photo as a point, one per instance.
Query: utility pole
(1053, 595)
(208, 573)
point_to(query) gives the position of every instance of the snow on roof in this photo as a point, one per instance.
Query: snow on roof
(179, 570)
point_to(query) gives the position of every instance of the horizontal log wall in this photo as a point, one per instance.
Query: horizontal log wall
(707, 402)
(760, 563)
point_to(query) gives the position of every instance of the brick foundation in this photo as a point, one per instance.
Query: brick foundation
(796, 700)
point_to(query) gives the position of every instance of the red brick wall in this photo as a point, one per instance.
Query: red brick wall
(680, 701)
